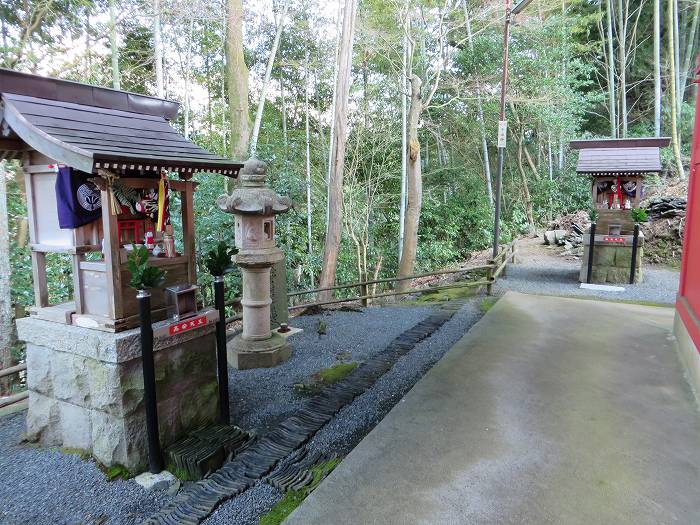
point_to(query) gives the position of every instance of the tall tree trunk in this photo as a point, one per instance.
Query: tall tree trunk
(113, 46)
(677, 59)
(622, 52)
(689, 55)
(415, 188)
(404, 134)
(237, 78)
(187, 71)
(674, 107)
(480, 113)
(331, 139)
(6, 327)
(308, 156)
(335, 200)
(266, 81)
(158, 47)
(285, 141)
(611, 70)
(657, 68)
(526, 189)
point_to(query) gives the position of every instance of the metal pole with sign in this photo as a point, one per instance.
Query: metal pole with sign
(502, 123)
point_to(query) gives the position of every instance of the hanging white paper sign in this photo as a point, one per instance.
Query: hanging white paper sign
(502, 131)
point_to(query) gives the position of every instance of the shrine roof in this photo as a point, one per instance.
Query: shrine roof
(89, 127)
(602, 157)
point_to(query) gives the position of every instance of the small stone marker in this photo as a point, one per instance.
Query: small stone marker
(279, 312)
(164, 480)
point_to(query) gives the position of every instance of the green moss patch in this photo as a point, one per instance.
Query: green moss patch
(117, 472)
(449, 294)
(293, 498)
(487, 303)
(324, 378)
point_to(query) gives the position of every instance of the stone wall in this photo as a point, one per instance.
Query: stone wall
(86, 388)
(611, 264)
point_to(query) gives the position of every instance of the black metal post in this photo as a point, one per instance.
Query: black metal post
(591, 244)
(221, 359)
(155, 457)
(635, 240)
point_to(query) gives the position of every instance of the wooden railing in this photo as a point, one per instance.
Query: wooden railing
(494, 268)
(14, 398)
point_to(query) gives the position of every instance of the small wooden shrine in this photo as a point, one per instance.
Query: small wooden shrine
(617, 168)
(101, 167)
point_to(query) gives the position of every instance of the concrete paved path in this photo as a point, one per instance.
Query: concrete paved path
(549, 411)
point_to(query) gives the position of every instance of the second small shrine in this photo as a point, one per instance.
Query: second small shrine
(617, 169)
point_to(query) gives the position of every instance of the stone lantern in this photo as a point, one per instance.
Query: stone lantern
(255, 206)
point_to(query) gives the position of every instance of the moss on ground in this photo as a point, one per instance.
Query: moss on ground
(117, 472)
(179, 473)
(487, 303)
(324, 378)
(335, 373)
(293, 498)
(449, 294)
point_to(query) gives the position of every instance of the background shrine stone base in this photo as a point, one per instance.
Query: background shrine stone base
(86, 389)
(611, 264)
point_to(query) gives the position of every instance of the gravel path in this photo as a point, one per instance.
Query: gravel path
(540, 270)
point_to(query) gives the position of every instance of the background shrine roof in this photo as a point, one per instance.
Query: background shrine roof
(89, 127)
(619, 156)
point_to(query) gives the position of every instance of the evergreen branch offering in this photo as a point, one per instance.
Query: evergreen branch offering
(639, 215)
(219, 260)
(143, 276)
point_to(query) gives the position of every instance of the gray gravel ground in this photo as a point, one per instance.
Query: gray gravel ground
(263, 396)
(49, 487)
(541, 271)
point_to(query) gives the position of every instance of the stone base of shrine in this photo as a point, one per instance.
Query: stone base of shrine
(244, 354)
(612, 260)
(86, 389)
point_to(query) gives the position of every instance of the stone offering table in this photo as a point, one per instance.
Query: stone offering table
(86, 388)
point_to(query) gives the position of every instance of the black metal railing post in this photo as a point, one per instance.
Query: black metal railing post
(155, 457)
(591, 244)
(221, 359)
(635, 240)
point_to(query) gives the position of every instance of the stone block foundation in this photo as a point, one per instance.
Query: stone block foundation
(612, 262)
(86, 389)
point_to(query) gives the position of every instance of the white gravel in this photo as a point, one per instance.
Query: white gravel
(40, 486)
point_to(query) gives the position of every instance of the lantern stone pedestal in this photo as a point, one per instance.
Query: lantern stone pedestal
(255, 206)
